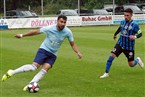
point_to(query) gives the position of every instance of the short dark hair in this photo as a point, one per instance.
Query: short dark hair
(128, 10)
(62, 16)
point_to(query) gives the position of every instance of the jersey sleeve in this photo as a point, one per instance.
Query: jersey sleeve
(45, 29)
(136, 28)
(70, 36)
(122, 23)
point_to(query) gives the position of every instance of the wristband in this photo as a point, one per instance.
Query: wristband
(21, 35)
(135, 37)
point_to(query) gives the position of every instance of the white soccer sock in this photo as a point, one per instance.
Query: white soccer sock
(39, 76)
(25, 68)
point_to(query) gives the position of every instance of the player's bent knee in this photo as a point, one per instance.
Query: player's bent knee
(34, 67)
(46, 66)
(113, 55)
(130, 64)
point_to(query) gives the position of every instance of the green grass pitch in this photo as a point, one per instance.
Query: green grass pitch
(71, 77)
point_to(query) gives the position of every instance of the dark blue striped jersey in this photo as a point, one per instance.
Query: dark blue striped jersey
(127, 29)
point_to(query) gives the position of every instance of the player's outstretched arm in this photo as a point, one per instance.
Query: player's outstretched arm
(31, 33)
(75, 48)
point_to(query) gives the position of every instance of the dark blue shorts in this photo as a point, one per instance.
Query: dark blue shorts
(44, 56)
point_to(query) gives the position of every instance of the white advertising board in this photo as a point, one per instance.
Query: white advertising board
(40, 22)
(139, 18)
(71, 21)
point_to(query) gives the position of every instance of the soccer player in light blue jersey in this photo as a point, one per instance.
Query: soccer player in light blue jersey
(129, 31)
(46, 54)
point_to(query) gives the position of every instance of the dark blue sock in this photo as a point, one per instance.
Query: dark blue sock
(109, 63)
(135, 62)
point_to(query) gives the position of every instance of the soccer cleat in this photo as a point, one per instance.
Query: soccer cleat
(141, 64)
(25, 88)
(105, 75)
(7, 75)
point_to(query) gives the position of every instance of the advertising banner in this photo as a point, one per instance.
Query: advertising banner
(71, 21)
(97, 20)
(40, 22)
(139, 18)
(3, 24)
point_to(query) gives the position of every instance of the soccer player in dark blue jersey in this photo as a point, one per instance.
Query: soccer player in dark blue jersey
(129, 31)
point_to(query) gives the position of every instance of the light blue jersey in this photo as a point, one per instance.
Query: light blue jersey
(55, 38)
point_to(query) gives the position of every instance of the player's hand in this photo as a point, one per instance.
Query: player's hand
(114, 37)
(79, 55)
(132, 37)
(19, 35)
